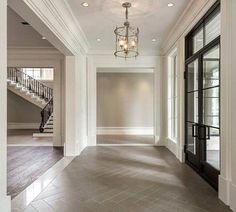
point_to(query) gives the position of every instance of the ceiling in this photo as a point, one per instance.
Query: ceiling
(153, 17)
(19, 35)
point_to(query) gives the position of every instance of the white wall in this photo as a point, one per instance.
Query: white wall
(227, 179)
(18, 110)
(125, 101)
(4, 199)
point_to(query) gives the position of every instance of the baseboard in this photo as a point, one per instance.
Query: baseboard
(172, 146)
(23, 126)
(125, 131)
(5, 204)
(224, 188)
(232, 196)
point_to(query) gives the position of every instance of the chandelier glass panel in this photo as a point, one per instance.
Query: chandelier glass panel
(126, 37)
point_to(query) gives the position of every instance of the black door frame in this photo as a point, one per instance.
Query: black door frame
(197, 162)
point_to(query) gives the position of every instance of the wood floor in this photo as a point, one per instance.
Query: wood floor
(127, 179)
(26, 164)
(25, 138)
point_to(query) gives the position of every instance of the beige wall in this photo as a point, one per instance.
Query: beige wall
(21, 111)
(125, 99)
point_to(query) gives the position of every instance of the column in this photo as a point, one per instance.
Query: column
(75, 105)
(227, 179)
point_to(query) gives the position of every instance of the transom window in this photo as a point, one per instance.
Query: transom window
(204, 32)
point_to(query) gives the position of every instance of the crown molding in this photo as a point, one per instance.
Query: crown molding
(191, 15)
(58, 18)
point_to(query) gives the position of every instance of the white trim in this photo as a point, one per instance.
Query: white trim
(125, 131)
(126, 145)
(224, 187)
(126, 70)
(42, 135)
(172, 146)
(232, 196)
(21, 126)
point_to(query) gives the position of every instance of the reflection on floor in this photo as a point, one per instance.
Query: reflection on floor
(125, 139)
(213, 158)
(25, 138)
(26, 164)
(127, 179)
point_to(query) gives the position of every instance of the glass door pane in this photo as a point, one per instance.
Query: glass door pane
(211, 106)
(192, 76)
(192, 109)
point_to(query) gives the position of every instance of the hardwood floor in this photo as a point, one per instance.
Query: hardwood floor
(25, 138)
(26, 163)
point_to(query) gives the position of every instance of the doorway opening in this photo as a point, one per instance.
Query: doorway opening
(31, 148)
(125, 106)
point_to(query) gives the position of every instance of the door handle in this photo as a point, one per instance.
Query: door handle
(208, 133)
(202, 132)
(194, 131)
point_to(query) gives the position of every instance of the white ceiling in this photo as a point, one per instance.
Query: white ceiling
(19, 35)
(153, 17)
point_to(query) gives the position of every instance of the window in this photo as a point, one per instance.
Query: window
(39, 73)
(206, 31)
(172, 97)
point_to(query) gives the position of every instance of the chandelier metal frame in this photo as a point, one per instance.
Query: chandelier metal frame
(127, 37)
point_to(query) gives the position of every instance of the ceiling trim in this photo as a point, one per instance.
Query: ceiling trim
(192, 13)
(58, 18)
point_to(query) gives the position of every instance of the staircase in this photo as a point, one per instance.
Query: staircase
(35, 92)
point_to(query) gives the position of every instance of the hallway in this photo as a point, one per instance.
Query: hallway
(127, 179)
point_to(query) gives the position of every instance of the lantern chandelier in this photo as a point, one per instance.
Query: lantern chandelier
(126, 38)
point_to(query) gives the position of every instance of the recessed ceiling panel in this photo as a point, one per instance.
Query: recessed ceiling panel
(153, 17)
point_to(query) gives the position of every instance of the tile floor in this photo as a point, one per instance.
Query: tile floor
(127, 179)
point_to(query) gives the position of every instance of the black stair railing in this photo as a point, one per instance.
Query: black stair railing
(31, 84)
(36, 87)
(46, 114)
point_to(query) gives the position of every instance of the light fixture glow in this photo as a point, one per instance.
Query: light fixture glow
(85, 4)
(154, 40)
(98, 40)
(170, 4)
(43, 38)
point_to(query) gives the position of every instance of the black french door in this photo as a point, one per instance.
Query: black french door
(203, 113)
(202, 96)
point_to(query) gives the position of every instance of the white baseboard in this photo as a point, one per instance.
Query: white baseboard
(172, 146)
(224, 187)
(232, 197)
(125, 131)
(5, 203)
(23, 126)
